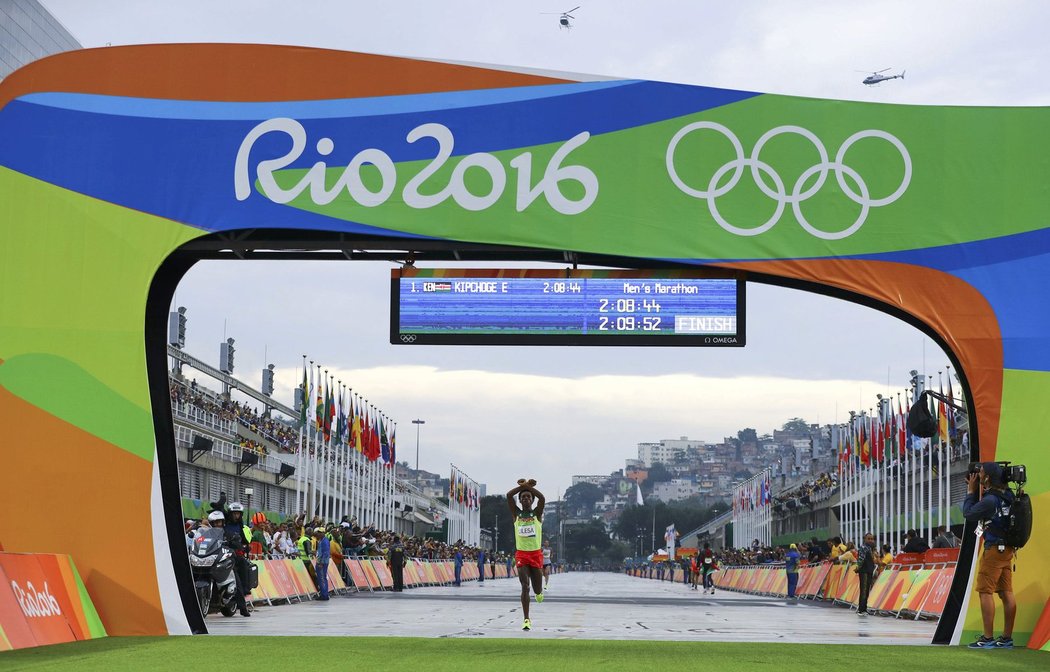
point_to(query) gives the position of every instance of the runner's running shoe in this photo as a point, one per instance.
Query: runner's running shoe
(527, 625)
(539, 597)
(982, 642)
(1004, 642)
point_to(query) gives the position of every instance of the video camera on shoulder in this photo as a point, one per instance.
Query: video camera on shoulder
(1012, 473)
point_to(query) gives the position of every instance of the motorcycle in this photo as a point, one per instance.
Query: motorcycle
(211, 561)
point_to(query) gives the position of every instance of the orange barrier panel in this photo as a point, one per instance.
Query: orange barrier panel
(878, 589)
(938, 595)
(446, 571)
(813, 581)
(370, 572)
(386, 579)
(44, 601)
(357, 574)
(281, 573)
(832, 584)
(408, 574)
(897, 591)
(936, 556)
(34, 595)
(300, 575)
(335, 579)
(431, 572)
(850, 593)
(921, 582)
(418, 571)
(266, 591)
(15, 633)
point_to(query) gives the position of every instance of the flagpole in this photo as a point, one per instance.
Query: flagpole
(318, 448)
(356, 463)
(312, 443)
(838, 464)
(326, 452)
(299, 446)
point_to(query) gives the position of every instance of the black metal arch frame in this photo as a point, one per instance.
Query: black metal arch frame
(294, 244)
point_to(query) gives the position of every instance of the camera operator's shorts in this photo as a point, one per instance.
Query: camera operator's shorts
(995, 574)
(529, 559)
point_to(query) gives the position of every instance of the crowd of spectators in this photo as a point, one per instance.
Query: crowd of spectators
(822, 487)
(348, 538)
(280, 433)
(815, 550)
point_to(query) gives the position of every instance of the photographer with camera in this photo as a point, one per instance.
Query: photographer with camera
(991, 511)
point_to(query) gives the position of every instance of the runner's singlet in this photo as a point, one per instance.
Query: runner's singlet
(546, 556)
(528, 533)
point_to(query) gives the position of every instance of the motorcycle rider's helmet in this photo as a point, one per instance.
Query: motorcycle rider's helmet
(216, 516)
(236, 506)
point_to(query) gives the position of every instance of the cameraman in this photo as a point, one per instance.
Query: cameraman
(995, 574)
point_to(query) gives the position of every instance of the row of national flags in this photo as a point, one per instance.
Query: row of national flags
(754, 494)
(464, 491)
(870, 440)
(345, 419)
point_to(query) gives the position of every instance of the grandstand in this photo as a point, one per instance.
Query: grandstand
(230, 445)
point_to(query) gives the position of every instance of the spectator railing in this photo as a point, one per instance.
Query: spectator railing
(914, 585)
(290, 579)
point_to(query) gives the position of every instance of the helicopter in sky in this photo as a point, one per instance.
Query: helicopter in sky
(877, 77)
(565, 18)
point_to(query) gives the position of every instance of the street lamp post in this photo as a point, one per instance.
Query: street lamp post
(417, 422)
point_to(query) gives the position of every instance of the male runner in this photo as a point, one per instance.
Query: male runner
(528, 531)
(546, 563)
(707, 568)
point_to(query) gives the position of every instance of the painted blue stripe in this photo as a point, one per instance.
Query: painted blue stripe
(1011, 272)
(309, 109)
(183, 168)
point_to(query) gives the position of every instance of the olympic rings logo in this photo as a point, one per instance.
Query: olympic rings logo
(780, 193)
(408, 338)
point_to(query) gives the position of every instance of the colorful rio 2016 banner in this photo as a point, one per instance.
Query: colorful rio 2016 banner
(111, 160)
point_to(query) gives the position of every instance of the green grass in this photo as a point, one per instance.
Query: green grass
(115, 654)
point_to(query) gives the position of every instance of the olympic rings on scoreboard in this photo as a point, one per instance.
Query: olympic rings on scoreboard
(780, 194)
(408, 338)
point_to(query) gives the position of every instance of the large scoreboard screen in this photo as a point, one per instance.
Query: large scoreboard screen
(566, 307)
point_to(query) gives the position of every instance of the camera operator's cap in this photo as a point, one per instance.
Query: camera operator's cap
(344, 524)
(993, 470)
(794, 547)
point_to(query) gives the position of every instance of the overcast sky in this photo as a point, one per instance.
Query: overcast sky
(502, 413)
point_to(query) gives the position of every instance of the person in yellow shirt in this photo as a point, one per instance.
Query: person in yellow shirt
(837, 549)
(886, 559)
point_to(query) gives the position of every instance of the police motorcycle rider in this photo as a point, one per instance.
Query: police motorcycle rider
(237, 536)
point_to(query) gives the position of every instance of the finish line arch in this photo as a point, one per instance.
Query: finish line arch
(114, 159)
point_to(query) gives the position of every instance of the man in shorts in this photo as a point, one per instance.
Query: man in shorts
(528, 531)
(706, 561)
(995, 573)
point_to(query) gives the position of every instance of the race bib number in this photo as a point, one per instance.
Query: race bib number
(527, 531)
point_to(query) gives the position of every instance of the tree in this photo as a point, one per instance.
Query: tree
(747, 435)
(582, 497)
(585, 542)
(658, 473)
(495, 515)
(796, 426)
